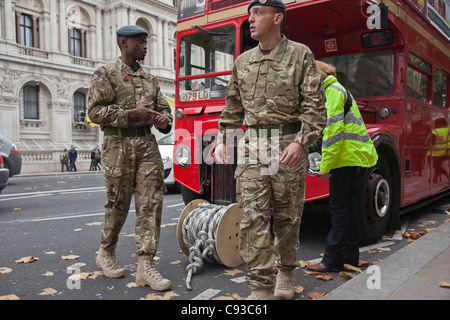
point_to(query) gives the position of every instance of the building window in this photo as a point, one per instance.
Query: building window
(440, 87)
(27, 30)
(418, 78)
(31, 102)
(77, 42)
(79, 106)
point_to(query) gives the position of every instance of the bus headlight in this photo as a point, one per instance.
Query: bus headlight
(179, 114)
(384, 113)
(183, 156)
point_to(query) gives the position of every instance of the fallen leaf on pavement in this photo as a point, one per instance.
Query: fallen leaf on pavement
(70, 257)
(347, 275)
(313, 273)
(444, 284)
(177, 262)
(232, 272)
(10, 297)
(5, 270)
(132, 285)
(27, 260)
(326, 277)
(349, 267)
(298, 289)
(316, 295)
(48, 291)
(304, 263)
(167, 296)
(427, 223)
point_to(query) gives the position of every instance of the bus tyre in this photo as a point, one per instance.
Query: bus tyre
(375, 201)
(188, 195)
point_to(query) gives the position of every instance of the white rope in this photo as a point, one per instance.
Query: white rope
(199, 231)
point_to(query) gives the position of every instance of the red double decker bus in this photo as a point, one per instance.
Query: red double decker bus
(393, 56)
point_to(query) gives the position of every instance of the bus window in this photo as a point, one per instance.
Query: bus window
(365, 74)
(203, 53)
(440, 85)
(419, 72)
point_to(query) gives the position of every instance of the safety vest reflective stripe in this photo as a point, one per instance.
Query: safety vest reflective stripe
(344, 136)
(349, 118)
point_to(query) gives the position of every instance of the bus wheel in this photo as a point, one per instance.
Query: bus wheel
(375, 202)
(188, 195)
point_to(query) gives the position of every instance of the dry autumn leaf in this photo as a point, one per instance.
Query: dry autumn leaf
(316, 295)
(70, 257)
(412, 235)
(444, 284)
(299, 289)
(26, 260)
(167, 296)
(347, 275)
(48, 291)
(232, 272)
(5, 270)
(349, 267)
(326, 277)
(80, 276)
(10, 297)
(304, 263)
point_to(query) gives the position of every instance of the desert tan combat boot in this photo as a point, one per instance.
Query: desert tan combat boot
(147, 275)
(109, 264)
(261, 294)
(284, 289)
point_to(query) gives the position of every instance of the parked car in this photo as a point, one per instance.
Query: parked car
(11, 156)
(165, 145)
(4, 175)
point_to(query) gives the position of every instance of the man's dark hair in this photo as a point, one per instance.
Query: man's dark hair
(283, 12)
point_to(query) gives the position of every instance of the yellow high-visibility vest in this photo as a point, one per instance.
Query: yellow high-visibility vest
(345, 138)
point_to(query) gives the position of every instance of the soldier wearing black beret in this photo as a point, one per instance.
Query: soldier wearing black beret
(126, 101)
(277, 88)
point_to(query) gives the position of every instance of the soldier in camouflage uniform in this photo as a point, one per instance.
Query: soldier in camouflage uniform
(277, 87)
(126, 101)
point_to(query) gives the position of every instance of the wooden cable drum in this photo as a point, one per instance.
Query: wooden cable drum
(209, 232)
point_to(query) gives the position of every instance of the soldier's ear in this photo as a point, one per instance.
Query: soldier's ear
(278, 18)
(121, 42)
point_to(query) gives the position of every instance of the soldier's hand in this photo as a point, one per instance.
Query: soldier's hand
(219, 154)
(324, 175)
(292, 155)
(142, 113)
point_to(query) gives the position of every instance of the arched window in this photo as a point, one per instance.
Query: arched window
(31, 102)
(79, 105)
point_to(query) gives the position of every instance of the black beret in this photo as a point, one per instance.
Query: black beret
(269, 3)
(130, 31)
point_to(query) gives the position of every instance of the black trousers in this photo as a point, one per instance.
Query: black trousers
(344, 236)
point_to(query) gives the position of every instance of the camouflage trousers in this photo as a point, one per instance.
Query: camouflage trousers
(284, 192)
(133, 164)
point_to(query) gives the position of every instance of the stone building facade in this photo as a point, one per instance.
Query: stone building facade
(49, 50)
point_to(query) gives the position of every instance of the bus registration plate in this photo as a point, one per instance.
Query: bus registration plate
(195, 95)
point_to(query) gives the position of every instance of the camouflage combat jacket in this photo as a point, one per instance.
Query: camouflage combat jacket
(116, 88)
(281, 87)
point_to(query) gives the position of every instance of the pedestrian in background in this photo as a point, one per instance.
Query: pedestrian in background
(72, 154)
(98, 158)
(346, 150)
(63, 157)
(274, 88)
(92, 165)
(126, 101)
